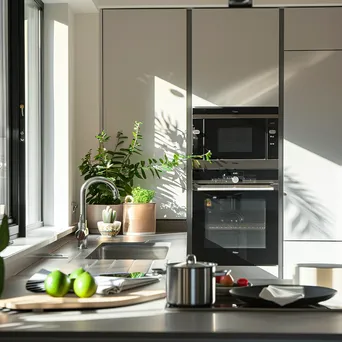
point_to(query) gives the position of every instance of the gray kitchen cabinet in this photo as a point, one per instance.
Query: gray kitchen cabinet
(312, 145)
(235, 55)
(144, 79)
(313, 28)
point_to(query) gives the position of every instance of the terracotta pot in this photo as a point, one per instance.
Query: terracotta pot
(94, 215)
(139, 218)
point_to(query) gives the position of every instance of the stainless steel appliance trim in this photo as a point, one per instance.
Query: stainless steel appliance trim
(248, 183)
(235, 116)
(281, 143)
(235, 187)
(189, 123)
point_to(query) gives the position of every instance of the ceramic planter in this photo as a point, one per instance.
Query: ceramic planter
(109, 229)
(94, 215)
(139, 218)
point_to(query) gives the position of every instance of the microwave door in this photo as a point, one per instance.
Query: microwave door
(236, 139)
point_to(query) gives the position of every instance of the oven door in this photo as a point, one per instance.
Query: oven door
(236, 138)
(236, 224)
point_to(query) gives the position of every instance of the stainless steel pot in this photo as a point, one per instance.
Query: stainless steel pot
(191, 283)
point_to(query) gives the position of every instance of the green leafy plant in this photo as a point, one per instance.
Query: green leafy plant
(4, 240)
(117, 165)
(142, 195)
(108, 215)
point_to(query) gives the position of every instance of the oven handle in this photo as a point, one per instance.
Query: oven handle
(241, 187)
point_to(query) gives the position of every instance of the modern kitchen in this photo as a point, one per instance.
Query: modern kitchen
(173, 173)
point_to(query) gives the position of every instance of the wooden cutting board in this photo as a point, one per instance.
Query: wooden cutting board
(46, 302)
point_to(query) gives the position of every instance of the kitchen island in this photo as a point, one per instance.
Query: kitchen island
(152, 320)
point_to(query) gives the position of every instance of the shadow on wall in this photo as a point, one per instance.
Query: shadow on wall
(309, 218)
(167, 129)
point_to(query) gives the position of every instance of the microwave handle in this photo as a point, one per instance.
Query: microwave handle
(266, 187)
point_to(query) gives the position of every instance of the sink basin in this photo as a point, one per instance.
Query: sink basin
(130, 250)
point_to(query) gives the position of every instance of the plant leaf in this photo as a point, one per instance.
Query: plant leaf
(138, 174)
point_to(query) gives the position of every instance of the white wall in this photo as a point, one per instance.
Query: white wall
(87, 91)
(58, 115)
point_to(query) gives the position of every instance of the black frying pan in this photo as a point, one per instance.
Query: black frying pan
(312, 295)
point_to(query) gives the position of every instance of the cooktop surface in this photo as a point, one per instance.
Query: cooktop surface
(228, 303)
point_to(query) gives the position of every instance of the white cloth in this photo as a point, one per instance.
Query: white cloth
(112, 285)
(282, 295)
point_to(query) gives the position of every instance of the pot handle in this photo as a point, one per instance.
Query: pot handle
(191, 259)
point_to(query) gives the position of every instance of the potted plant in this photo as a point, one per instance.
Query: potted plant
(117, 164)
(139, 212)
(108, 226)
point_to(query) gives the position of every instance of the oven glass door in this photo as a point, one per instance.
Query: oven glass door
(236, 227)
(236, 138)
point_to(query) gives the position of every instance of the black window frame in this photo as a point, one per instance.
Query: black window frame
(16, 110)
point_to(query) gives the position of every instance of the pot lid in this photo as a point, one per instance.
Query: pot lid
(191, 262)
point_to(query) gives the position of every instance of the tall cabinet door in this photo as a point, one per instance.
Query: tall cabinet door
(313, 28)
(312, 157)
(235, 56)
(144, 79)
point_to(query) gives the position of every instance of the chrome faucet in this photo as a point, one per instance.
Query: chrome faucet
(83, 231)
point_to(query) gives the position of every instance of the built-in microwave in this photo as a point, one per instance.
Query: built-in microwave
(236, 132)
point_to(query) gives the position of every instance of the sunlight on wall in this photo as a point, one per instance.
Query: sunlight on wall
(318, 189)
(170, 138)
(258, 87)
(61, 123)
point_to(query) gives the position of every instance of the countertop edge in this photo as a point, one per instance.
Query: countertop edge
(157, 336)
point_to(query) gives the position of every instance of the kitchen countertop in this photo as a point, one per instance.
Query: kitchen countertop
(151, 320)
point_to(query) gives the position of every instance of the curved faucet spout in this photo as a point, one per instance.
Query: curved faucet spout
(83, 232)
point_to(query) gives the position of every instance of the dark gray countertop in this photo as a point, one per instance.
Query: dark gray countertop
(151, 320)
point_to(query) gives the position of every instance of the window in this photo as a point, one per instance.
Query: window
(20, 190)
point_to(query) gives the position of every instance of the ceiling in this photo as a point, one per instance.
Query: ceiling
(88, 6)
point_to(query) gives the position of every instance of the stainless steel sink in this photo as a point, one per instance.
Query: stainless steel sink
(130, 250)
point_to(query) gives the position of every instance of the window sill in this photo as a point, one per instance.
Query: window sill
(36, 239)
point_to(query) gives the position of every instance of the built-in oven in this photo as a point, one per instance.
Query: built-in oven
(235, 217)
(236, 132)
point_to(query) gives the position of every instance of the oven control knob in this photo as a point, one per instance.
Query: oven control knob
(235, 179)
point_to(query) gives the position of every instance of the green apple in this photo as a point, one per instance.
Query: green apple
(57, 284)
(74, 274)
(85, 285)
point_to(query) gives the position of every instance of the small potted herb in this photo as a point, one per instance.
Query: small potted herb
(139, 212)
(108, 226)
